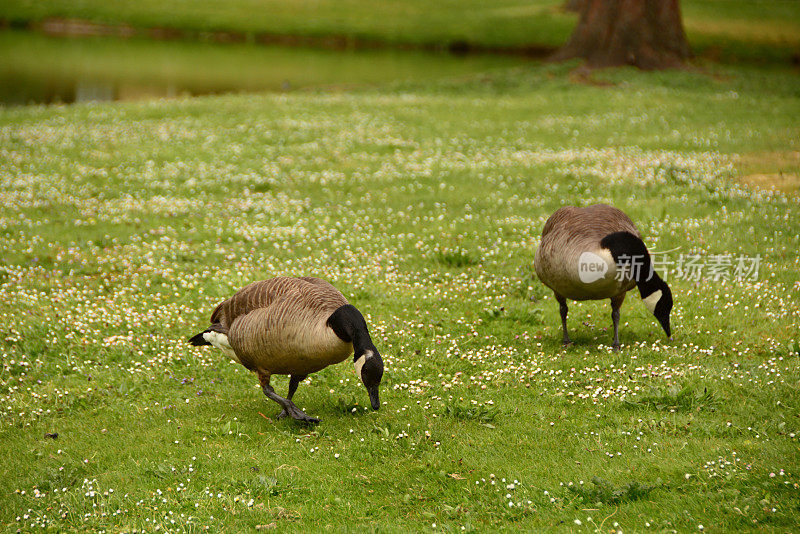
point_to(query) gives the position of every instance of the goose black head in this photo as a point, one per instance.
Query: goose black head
(659, 302)
(369, 368)
(348, 323)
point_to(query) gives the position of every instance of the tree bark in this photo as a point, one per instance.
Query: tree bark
(644, 33)
(573, 5)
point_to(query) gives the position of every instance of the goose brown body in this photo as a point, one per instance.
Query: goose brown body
(279, 326)
(580, 257)
(569, 233)
(293, 326)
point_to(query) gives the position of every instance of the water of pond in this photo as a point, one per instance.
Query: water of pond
(36, 68)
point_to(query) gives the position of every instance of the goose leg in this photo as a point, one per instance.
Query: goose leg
(287, 405)
(562, 307)
(294, 381)
(616, 304)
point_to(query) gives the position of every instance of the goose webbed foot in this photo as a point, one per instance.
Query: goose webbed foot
(298, 415)
(289, 408)
(615, 346)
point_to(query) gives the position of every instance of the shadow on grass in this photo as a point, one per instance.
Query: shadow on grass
(604, 492)
(469, 412)
(674, 398)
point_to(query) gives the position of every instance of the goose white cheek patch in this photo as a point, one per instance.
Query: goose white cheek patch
(651, 300)
(359, 363)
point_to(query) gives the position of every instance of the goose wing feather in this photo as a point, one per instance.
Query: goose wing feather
(588, 223)
(262, 294)
(570, 232)
(280, 325)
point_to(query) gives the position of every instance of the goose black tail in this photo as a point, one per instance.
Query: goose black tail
(199, 340)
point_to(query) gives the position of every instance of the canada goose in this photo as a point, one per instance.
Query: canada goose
(293, 326)
(579, 257)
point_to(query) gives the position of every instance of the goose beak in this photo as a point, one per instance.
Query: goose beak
(373, 397)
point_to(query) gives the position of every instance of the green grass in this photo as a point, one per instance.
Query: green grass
(729, 29)
(124, 224)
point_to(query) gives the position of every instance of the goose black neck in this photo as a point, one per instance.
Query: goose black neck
(631, 252)
(349, 325)
(649, 286)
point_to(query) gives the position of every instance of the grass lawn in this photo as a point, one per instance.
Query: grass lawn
(124, 224)
(767, 29)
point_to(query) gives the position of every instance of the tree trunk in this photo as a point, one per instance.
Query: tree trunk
(645, 33)
(573, 5)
